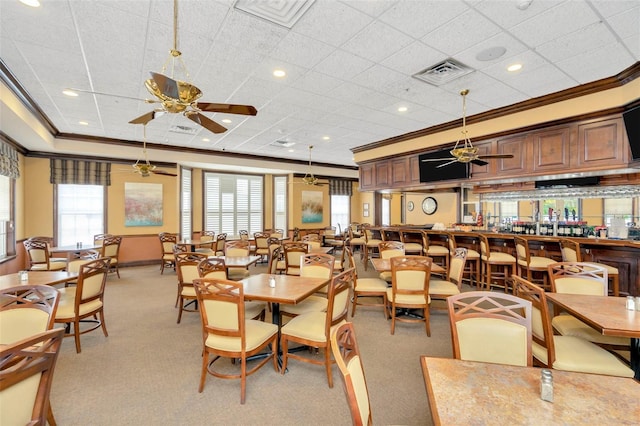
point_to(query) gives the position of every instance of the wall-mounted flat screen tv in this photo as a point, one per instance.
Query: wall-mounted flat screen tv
(632, 124)
(430, 172)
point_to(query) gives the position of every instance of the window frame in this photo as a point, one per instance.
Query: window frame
(183, 172)
(56, 206)
(8, 251)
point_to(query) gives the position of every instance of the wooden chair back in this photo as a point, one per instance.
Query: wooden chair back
(522, 250)
(277, 233)
(98, 238)
(26, 375)
(491, 327)
(347, 355)
(91, 282)
(38, 252)
(570, 250)
(236, 248)
(389, 249)
(261, 240)
(26, 310)
(410, 275)
(221, 240)
(578, 278)
(111, 247)
(338, 300)
(81, 258)
(456, 266)
(244, 234)
(274, 257)
(311, 237)
(212, 267)
(293, 253)
(208, 236)
(317, 265)
(167, 240)
(187, 267)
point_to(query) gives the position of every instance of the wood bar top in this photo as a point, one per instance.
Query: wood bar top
(466, 392)
(37, 278)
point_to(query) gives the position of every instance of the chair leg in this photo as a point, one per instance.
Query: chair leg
(327, 363)
(102, 323)
(243, 379)
(354, 303)
(393, 318)
(203, 375)
(427, 323)
(285, 351)
(76, 334)
(50, 419)
(181, 307)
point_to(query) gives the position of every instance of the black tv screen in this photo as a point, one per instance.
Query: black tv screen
(632, 124)
(430, 172)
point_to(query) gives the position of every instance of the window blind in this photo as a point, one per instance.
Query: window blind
(9, 165)
(78, 172)
(186, 206)
(340, 187)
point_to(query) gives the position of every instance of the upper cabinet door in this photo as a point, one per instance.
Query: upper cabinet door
(551, 149)
(602, 144)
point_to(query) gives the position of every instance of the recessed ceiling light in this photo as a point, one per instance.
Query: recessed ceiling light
(32, 3)
(226, 120)
(205, 139)
(279, 73)
(69, 93)
(325, 138)
(292, 150)
(84, 123)
(514, 67)
(402, 109)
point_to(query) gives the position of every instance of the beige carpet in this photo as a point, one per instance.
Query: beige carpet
(147, 371)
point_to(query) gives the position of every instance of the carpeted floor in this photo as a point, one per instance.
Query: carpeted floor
(147, 371)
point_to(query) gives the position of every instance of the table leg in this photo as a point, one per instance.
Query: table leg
(635, 356)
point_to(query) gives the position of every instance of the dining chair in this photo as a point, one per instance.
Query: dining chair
(221, 240)
(409, 290)
(276, 261)
(98, 238)
(582, 278)
(187, 268)
(413, 241)
(207, 240)
(277, 233)
(226, 333)
(84, 300)
(503, 263)
(339, 262)
(571, 252)
(569, 353)
(356, 241)
(472, 264)
(244, 234)
(26, 376)
(293, 253)
(440, 288)
(26, 311)
(40, 258)
(237, 248)
(78, 259)
(527, 264)
(314, 329)
(312, 265)
(111, 249)
(262, 246)
(387, 250)
(371, 244)
(368, 288)
(213, 267)
(491, 327)
(346, 352)
(437, 248)
(167, 241)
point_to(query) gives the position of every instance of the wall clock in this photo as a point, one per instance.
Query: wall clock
(429, 205)
(410, 206)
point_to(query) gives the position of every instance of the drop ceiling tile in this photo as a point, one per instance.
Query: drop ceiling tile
(584, 39)
(331, 22)
(371, 8)
(377, 41)
(414, 58)
(609, 8)
(596, 64)
(511, 44)
(246, 31)
(506, 13)
(301, 50)
(343, 65)
(317, 82)
(417, 18)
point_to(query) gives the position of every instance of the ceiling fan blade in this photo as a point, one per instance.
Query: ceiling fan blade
(426, 160)
(227, 108)
(496, 156)
(447, 163)
(91, 92)
(205, 122)
(168, 86)
(479, 162)
(145, 118)
(164, 173)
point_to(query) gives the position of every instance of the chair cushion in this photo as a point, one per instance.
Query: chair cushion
(438, 250)
(188, 291)
(575, 354)
(407, 299)
(442, 287)
(310, 304)
(413, 247)
(256, 333)
(309, 326)
(537, 262)
(386, 276)
(67, 301)
(496, 256)
(371, 284)
(492, 340)
(610, 269)
(236, 274)
(357, 241)
(472, 254)
(254, 308)
(568, 325)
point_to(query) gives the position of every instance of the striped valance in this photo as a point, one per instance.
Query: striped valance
(340, 187)
(78, 172)
(9, 165)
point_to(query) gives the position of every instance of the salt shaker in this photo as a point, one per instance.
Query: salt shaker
(638, 303)
(24, 276)
(631, 304)
(546, 385)
(272, 281)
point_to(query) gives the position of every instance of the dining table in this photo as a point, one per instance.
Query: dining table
(238, 261)
(480, 393)
(384, 265)
(608, 315)
(37, 278)
(194, 243)
(74, 250)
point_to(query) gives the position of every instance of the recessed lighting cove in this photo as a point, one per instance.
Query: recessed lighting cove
(226, 120)
(84, 123)
(32, 3)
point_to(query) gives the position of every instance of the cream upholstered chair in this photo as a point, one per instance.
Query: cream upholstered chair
(26, 375)
(111, 249)
(244, 234)
(314, 328)
(347, 355)
(567, 353)
(209, 239)
(312, 265)
(167, 241)
(221, 240)
(293, 253)
(339, 262)
(237, 248)
(356, 242)
(85, 300)
(366, 287)
(40, 258)
(413, 241)
(571, 253)
(490, 327)
(79, 259)
(213, 267)
(409, 289)
(582, 278)
(528, 264)
(26, 311)
(387, 250)
(187, 267)
(371, 243)
(495, 260)
(439, 251)
(262, 246)
(472, 265)
(276, 264)
(98, 238)
(227, 333)
(440, 288)
(277, 233)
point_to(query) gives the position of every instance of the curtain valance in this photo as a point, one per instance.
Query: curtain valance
(340, 187)
(78, 172)
(9, 165)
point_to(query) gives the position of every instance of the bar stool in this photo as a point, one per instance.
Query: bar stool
(503, 262)
(531, 264)
(371, 244)
(472, 265)
(439, 253)
(571, 253)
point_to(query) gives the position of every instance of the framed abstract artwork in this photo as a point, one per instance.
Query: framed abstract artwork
(142, 204)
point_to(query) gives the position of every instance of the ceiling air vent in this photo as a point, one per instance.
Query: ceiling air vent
(184, 130)
(443, 72)
(283, 12)
(282, 143)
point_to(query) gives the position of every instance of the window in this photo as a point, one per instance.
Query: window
(340, 212)
(79, 212)
(233, 202)
(386, 211)
(508, 211)
(7, 238)
(618, 208)
(280, 202)
(186, 225)
(562, 210)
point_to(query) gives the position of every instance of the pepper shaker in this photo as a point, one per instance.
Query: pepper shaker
(631, 304)
(272, 281)
(546, 385)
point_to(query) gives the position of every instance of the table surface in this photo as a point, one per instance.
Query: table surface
(237, 261)
(289, 289)
(74, 248)
(607, 314)
(384, 265)
(466, 392)
(37, 278)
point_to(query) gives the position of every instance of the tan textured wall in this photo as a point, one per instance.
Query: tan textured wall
(447, 212)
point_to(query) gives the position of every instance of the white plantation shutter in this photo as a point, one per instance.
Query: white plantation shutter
(186, 206)
(280, 202)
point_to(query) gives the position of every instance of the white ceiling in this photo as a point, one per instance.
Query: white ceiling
(349, 64)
